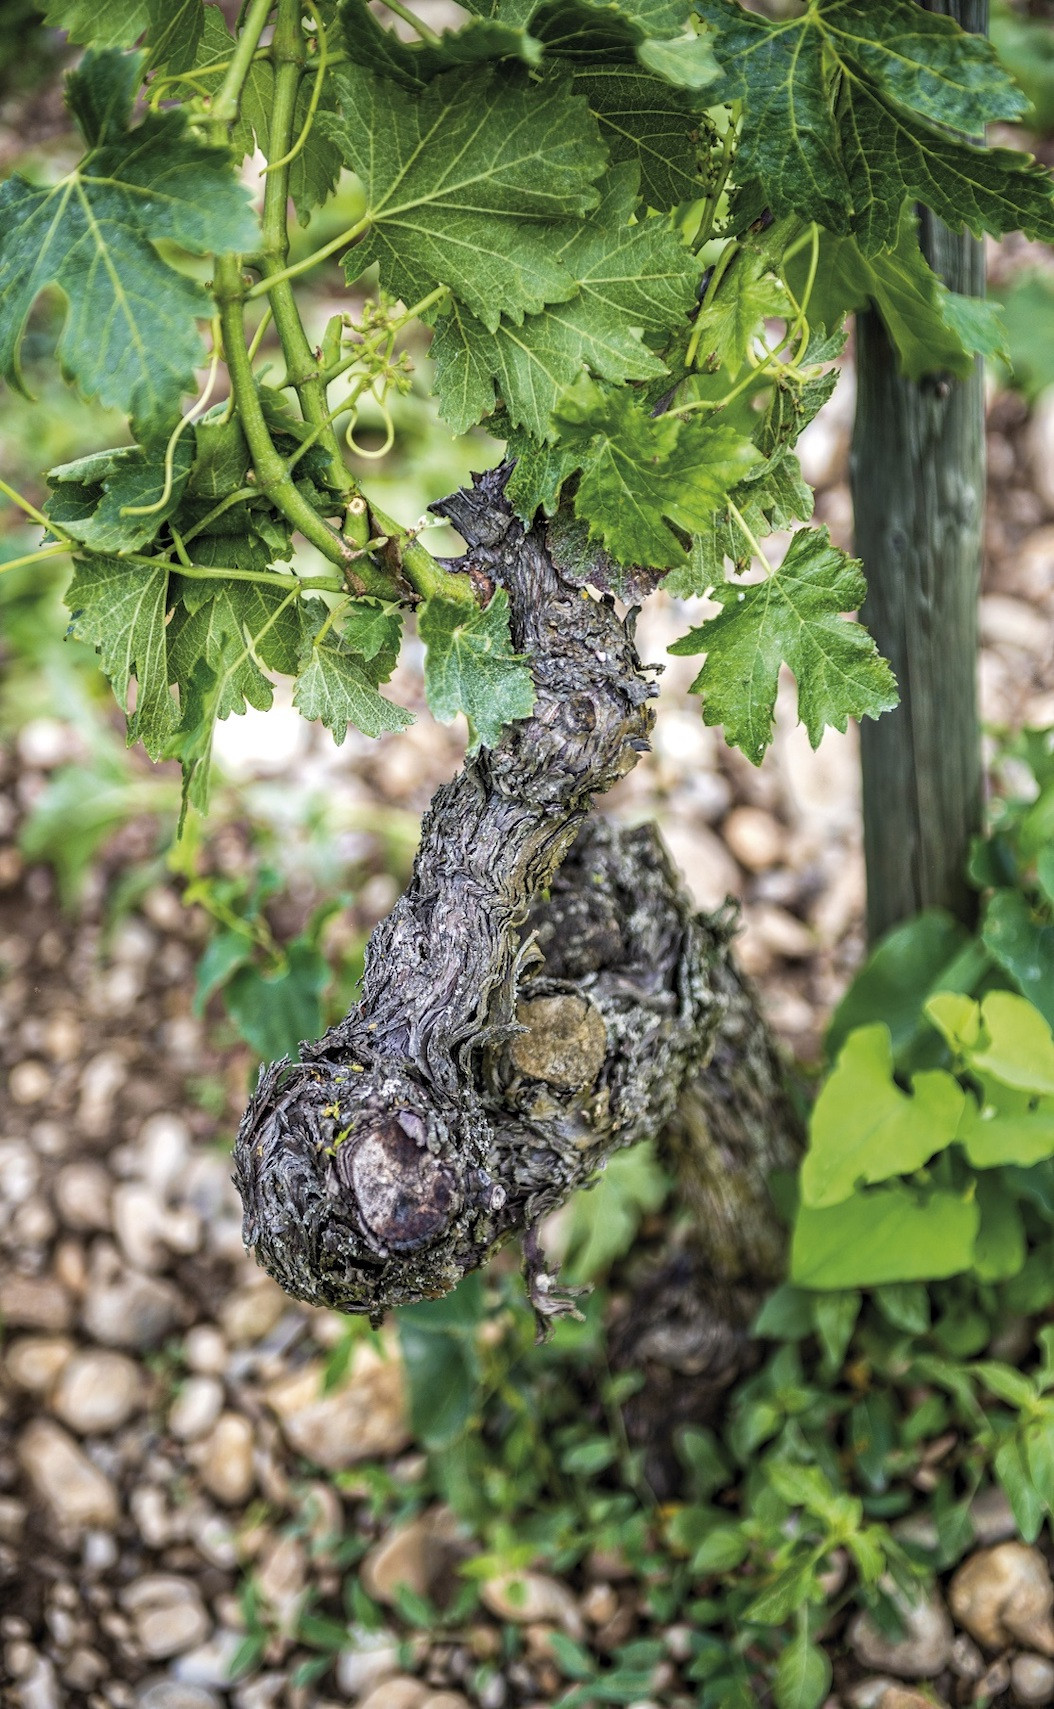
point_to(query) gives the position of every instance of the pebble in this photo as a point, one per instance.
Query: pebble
(280, 1579)
(101, 1080)
(44, 743)
(38, 1688)
(446, 1700)
(260, 1691)
(205, 1350)
(419, 1556)
(171, 1694)
(29, 1082)
(371, 1658)
(781, 933)
(82, 1196)
(123, 1308)
(966, 1659)
(755, 838)
(34, 1302)
(63, 1037)
(994, 1682)
(97, 1392)
(34, 1361)
(600, 1604)
(529, 1597)
(226, 1460)
(363, 1419)
(992, 1517)
(210, 1663)
(868, 1693)
(402, 1692)
(1005, 1593)
(1040, 442)
(13, 1516)
(138, 1218)
(1010, 622)
(705, 864)
(252, 1311)
(1032, 1679)
(923, 1650)
(902, 1697)
(168, 1614)
(19, 1172)
(196, 1408)
(163, 1147)
(77, 1493)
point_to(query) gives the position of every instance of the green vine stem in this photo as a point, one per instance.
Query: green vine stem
(363, 522)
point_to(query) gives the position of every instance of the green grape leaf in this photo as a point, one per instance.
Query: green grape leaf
(104, 23)
(119, 609)
(220, 623)
(631, 278)
(235, 625)
(922, 60)
(891, 157)
(221, 456)
(470, 666)
(1007, 1128)
(793, 617)
(912, 961)
(906, 78)
(864, 1129)
(596, 31)
(172, 27)
(769, 497)
(373, 628)
(1023, 945)
(90, 495)
(336, 685)
(246, 536)
(463, 182)
(131, 336)
(639, 470)
(640, 84)
(649, 18)
(415, 64)
(890, 1234)
(539, 473)
(174, 33)
(746, 296)
(922, 317)
(789, 137)
(646, 121)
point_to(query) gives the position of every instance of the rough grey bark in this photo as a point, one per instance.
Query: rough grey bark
(532, 1003)
(918, 472)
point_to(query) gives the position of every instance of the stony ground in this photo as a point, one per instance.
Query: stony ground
(163, 1429)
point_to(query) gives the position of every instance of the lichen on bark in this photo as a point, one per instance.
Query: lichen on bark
(542, 995)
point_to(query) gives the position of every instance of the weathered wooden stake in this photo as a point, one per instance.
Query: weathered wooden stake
(918, 473)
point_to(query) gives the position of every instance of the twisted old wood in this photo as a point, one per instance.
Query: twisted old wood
(542, 995)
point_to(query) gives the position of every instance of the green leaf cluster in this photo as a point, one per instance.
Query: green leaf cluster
(891, 1185)
(849, 112)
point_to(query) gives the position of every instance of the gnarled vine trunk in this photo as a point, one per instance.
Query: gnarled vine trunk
(542, 995)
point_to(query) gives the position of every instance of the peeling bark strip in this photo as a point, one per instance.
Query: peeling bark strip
(486, 1072)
